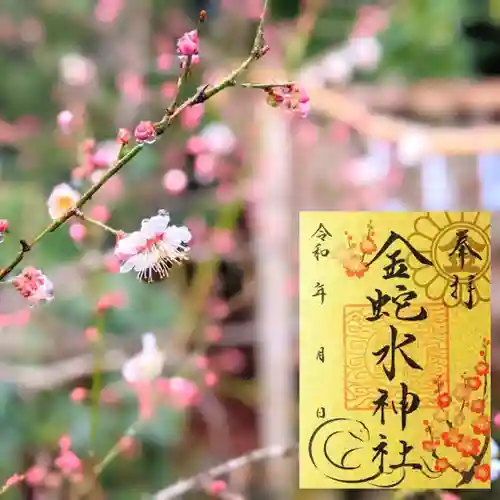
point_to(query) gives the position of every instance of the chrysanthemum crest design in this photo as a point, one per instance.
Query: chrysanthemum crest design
(459, 246)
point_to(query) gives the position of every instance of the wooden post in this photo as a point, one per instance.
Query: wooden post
(274, 219)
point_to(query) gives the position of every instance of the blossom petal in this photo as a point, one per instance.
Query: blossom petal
(154, 225)
(129, 244)
(144, 261)
(62, 197)
(175, 235)
(130, 370)
(127, 266)
(149, 341)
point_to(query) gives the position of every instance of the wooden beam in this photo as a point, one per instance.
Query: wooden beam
(429, 98)
(445, 140)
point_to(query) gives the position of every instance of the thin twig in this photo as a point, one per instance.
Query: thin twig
(81, 215)
(192, 483)
(180, 83)
(258, 50)
(265, 86)
(116, 449)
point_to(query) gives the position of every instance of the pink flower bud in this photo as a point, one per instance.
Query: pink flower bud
(64, 442)
(191, 117)
(100, 213)
(112, 264)
(196, 145)
(211, 379)
(91, 334)
(219, 309)
(213, 333)
(77, 232)
(201, 362)
(187, 45)
(183, 392)
(168, 90)
(216, 487)
(78, 394)
(111, 300)
(64, 120)
(109, 396)
(4, 226)
(164, 62)
(175, 181)
(123, 136)
(496, 419)
(67, 462)
(145, 132)
(35, 475)
(223, 241)
(126, 443)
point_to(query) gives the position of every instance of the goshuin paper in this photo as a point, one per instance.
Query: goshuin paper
(395, 350)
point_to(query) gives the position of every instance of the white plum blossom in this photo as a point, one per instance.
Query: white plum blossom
(152, 250)
(62, 198)
(147, 365)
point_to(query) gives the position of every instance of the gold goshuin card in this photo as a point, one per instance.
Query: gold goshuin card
(395, 350)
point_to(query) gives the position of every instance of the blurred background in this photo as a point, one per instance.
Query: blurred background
(405, 104)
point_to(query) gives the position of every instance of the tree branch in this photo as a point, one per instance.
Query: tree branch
(192, 483)
(258, 50)
(51, 376)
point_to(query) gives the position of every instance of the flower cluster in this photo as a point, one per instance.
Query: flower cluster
(291, 97)
(466, 437)
(154, 248)
(142, 372)
(66, 466)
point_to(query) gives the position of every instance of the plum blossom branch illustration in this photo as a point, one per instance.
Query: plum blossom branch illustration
(451, 426)
(352, 257)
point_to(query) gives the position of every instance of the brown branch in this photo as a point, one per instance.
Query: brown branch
(258, 50)
(192, 483)
(51, 376)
